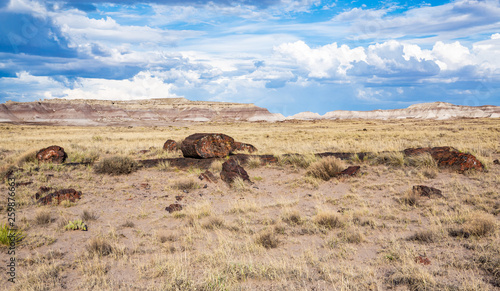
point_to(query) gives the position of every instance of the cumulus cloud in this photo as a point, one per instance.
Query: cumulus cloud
(142, 86)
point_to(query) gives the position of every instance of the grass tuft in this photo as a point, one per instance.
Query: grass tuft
(328, 220)
(116, 165)
(267, 239)
(42, 217)
(98, 246)
(325, 168)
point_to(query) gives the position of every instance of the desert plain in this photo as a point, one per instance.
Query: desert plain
(286, 230)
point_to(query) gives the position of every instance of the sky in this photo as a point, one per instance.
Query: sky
(288, 56)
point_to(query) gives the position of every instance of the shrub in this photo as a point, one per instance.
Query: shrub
(99, 246)
(396, 159)
(297, 161)
(7, 236)
(213, 223)
(116, 166)
(480, 225)
(42, 217)
(186, 184)
(328, 220)
(268, 240)
(424, 160)
(254, 162)
(76, 225)
(89, 215)
(426, 236)
(292, 218)
(326, 168)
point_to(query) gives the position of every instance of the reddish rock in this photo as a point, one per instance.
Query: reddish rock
(448, 157)
(422, 260)
(42, 190)
(208, 176)
(55, 154)
(231, 170)
(179, 198)
(170, 145)
(239, 146)
(207, 145)
(60, 195)
(173, 207)
(350, 171)
(422, 190)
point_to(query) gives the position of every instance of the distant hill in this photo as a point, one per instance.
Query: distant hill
(170, 111)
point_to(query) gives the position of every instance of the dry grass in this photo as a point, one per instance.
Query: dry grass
(326, 168)
(42, 217)
(291, 232)
(116, 166)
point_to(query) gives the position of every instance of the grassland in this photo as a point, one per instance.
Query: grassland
(289, 230)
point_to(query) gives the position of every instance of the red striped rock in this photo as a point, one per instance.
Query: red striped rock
(239, 146)
(55, 154)
(448, 157)
(59, 196)
(207, 145)
(170, 145)
(231, 170)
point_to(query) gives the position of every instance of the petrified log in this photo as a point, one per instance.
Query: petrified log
(427, 191)
(208, 176)
(60, 195)
(207, 145)
(239, 146)
(350, 171)
(448, 157)
(170, 145)
(173, 207)
(231, 170)
(55, 154)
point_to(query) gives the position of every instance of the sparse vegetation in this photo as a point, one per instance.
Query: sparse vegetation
(76, 225)
(116, 165)
(325, 168)
(288, 230)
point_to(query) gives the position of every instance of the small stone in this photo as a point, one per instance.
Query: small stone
(496, 162)
(427, 191)
(173, 207)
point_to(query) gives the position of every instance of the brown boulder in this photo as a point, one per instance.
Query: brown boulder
(448, 157)
(231, 170)
(207, 145)
(170, 145)
(208, 176)
(427, 191)
(350, 171)
(55, 154)
(239, 146)
(173, 207)
(60, 195)
(496, 162)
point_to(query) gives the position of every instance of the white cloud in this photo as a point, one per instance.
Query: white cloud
(322, 62)
(142, 86)
(451, 56)
(495, 36)
(33, 87)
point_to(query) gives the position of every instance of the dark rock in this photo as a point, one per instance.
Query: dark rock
(24, 183)
(42, 190)
(207, 145)
(422, 190)
(239, 146)
(231, 170)
(179, 198)
(173, 207)
(496, 162)
(448, 157)
(170, 145)
(145, 186)
(350, 171)
(208, 176)
(55, 154)
(60, 195)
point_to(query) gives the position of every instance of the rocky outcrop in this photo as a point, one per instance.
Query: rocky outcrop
(151, 112)
(232, 170)
(59, 196)
(54, 154)
(170, 145)
(207, 145)
(448, 157)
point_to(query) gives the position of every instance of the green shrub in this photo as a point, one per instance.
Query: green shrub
(116, 165)
(326, 168)
(7, 235)
(76, 225)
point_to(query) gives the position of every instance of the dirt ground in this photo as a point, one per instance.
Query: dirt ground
(284, 231)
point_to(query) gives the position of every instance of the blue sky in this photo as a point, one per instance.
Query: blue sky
(288, 56)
